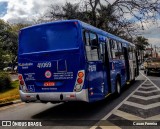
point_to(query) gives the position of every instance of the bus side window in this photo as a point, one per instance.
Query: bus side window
(134, 53)
(87, 38)
(114, 49)
(94, 46)
(130, 53)
(91, 45)
(109, 48)
(120, 50)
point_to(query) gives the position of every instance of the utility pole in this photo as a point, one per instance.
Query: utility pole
(151, 50)
(155, 50)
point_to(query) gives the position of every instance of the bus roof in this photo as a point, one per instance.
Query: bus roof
(86, 26)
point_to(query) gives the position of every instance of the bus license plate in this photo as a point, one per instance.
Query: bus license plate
(49, 83)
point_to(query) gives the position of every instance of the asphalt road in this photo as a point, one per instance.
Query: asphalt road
(139, 101)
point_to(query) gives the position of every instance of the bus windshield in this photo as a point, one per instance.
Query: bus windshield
(48, 37)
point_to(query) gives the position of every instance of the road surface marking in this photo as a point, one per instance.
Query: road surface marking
(126, 115)
(131, 113)
(145, 92)
(141, 105)
(109, 127)
(104, 118)
(146, 98)
(150, 80)
(156, 117)
(145, 88)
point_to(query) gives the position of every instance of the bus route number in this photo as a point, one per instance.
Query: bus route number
(44, 65)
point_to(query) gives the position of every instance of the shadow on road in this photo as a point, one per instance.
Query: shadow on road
(72, 110)
(82, 110)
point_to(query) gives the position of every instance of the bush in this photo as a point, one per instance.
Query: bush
(5, 81)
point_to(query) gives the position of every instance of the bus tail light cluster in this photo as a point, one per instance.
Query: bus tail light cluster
(79, 81)
(22, 83)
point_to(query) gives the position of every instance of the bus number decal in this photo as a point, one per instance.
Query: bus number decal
(44, 65)
(92, 68)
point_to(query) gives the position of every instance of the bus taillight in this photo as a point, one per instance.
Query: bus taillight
(20, 77)
(80, 74)
(79, 81)
(22, 83)
(21, 80)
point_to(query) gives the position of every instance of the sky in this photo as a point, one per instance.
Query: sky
(25, 10)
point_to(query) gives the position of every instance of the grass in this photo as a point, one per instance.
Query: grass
(10, 94)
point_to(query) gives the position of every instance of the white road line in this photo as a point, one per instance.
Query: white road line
(109, 127)
(146, 92)
(146, 98)
(126, 115)
(150, 80)
(104, 118)
(146, 88)
(157, 104)
(147, 84)
(102, 126)
(115, 110)
(155, 79)
(156, 117)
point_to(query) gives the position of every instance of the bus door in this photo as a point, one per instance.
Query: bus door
(95, 71)
(106, 67)
(126, 63)
(137, 66)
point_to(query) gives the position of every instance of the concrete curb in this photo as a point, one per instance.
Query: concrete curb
(10, 103)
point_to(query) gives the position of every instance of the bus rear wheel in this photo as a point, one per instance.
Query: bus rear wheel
(148, 73)
(118, 87)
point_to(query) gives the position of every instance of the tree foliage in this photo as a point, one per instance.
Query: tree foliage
(119, 17)
(9, 42)
(141, 42)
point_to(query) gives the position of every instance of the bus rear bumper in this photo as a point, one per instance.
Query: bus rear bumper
(55, 96)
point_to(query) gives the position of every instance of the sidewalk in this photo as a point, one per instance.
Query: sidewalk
(14, 76)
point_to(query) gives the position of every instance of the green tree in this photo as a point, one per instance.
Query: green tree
(3, 36)
(9, 42)
(110, 17)
(141, 42)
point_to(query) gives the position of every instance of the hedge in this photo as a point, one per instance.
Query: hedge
(5, 81)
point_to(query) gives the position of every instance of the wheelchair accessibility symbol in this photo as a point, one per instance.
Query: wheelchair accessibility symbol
(31, 88)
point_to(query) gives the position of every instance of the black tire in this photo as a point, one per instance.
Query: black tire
(133, 81)
(147, 73)
(118, 87)
(134, 76)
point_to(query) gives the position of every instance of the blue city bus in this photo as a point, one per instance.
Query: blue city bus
(72, 61)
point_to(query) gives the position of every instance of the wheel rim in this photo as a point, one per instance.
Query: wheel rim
(118, 87)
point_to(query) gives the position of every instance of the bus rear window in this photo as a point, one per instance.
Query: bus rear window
(48, 37)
